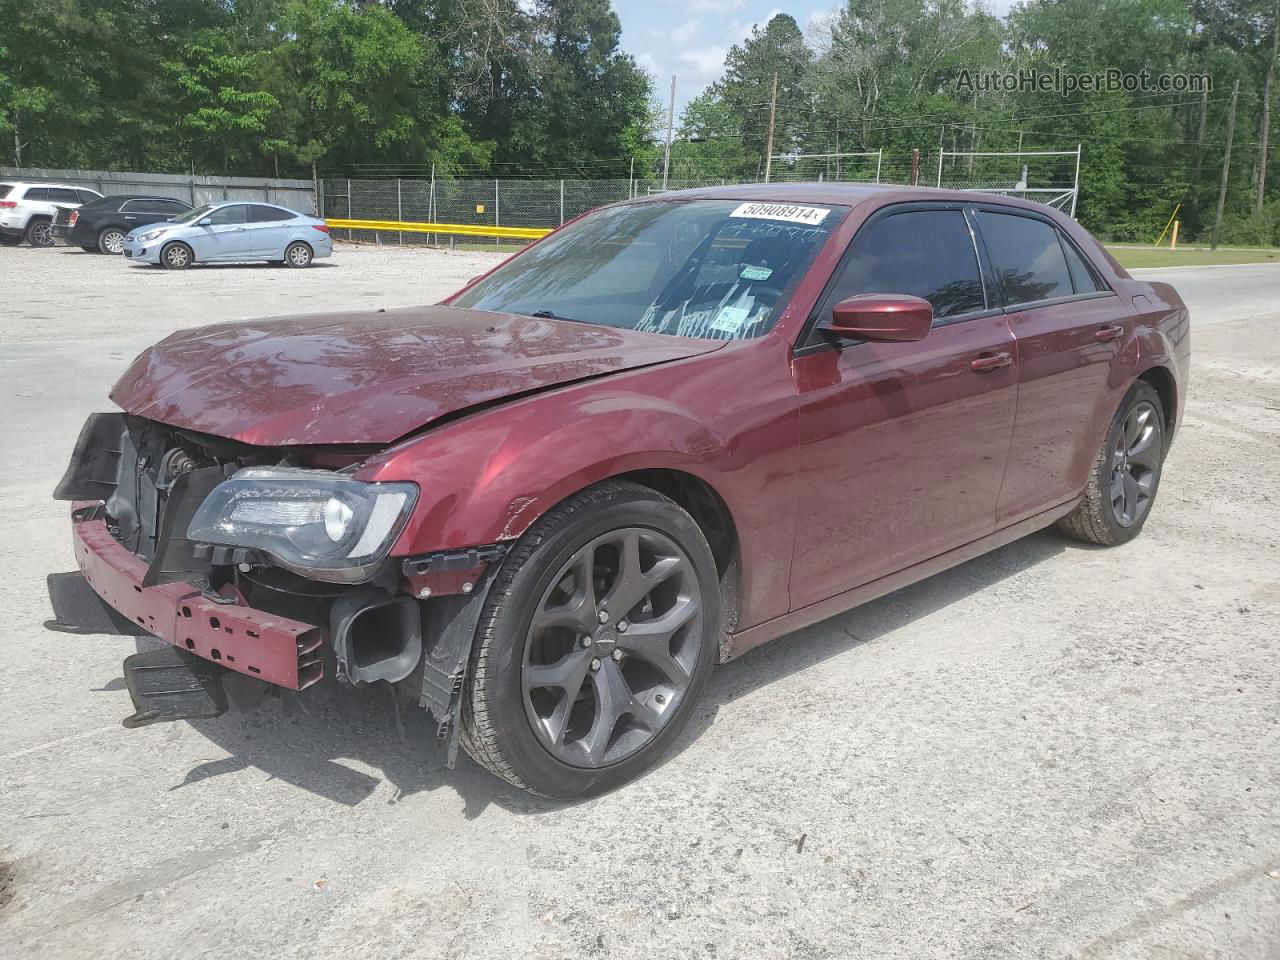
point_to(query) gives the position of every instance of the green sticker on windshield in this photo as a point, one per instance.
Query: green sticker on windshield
(750, 272)
(730, 319)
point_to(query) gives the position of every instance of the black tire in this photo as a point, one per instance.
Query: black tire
(497, 731)
(1097, 519)
(111, 241)
(176, 256)
(298, 255)
(40, 232)
(8, 240)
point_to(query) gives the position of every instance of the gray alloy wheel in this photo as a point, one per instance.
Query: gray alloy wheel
(111, 240)
(1125, 475)
(298, 254)
(612, 647)
(1135, 464)
(176, 256)
(40, 233)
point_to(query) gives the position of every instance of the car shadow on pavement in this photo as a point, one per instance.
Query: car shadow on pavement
(336, 749)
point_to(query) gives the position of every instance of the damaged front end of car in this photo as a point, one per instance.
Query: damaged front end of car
(263, 569)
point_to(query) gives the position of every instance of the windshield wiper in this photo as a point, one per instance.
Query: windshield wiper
(552, 315)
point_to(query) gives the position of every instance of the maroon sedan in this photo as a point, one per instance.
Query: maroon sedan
(672, 430)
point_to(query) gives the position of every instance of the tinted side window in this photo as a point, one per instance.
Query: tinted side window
(1026, 256)
(88, 196)
(63, 195)
(924, 253)
(232, 214)
(1081, 274)
(260, 213)
(36, 193)
(170, 208)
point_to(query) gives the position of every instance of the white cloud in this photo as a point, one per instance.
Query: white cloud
(680, 36)
(714, 6)
(707, 60)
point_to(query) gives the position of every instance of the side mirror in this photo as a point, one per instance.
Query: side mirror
(206, 222)
(890, 317)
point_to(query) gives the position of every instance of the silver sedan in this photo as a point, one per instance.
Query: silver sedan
(229, 231)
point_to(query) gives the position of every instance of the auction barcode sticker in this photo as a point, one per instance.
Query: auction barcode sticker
(781, 211)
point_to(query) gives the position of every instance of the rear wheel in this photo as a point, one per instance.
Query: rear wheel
(1126, 474)
(40, 232)
(297, 254)
(111, 240)
(176, 256)
(597, 639)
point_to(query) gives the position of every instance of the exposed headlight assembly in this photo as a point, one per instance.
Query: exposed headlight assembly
(320, 524)
(148, 237)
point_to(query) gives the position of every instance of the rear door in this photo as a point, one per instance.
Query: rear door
(1069, 326)
(138, 213)
(271, 228)
(226, 236)
(902, 445)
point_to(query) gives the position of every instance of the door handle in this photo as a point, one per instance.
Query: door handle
(1109, 333)
(990, 361)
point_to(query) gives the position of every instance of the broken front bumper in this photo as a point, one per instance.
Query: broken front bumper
(219, 628)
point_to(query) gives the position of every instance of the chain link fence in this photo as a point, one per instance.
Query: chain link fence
(489, 203)
(550, 203)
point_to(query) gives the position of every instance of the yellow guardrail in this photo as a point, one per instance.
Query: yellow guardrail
(457, 229)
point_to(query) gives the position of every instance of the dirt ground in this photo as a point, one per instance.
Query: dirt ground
(1050, 751)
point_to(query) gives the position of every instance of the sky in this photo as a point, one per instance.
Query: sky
(689, 38)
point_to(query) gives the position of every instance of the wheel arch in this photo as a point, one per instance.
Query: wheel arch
(1162, 379)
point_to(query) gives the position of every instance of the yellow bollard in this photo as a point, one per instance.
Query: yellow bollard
(1173, 238)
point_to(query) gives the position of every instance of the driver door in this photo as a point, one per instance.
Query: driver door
(225, 237)
(903, 445)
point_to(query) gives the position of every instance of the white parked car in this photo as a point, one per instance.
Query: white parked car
(27, 210)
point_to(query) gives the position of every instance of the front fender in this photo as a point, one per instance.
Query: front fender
(488, 479)
(727, 418)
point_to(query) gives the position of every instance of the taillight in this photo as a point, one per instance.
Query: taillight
(10, 204)
(75, 215)
(322, 227)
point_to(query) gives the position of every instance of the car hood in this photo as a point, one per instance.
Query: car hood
(370, 377)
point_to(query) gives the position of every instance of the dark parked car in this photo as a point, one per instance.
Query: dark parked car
(103, 224)
(670, 431)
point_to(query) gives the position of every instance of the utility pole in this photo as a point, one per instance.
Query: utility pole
(1267, 85)
(1226, 166)
(915, 166)
(671, 114)
(768, 150)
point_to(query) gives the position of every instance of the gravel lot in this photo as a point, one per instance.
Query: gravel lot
(1051, 751)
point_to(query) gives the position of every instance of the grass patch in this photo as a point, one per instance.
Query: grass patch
(1190, 256)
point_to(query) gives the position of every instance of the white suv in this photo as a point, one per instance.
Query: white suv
(27, 210)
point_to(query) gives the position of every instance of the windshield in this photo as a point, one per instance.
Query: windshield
(693, 268)
(194, 214)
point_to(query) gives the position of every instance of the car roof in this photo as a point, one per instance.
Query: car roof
(44, 183)
(848, 194)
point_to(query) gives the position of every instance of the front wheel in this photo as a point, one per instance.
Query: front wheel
(1126, 474)
(596, 642)
(176, 256)
(297, 254)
